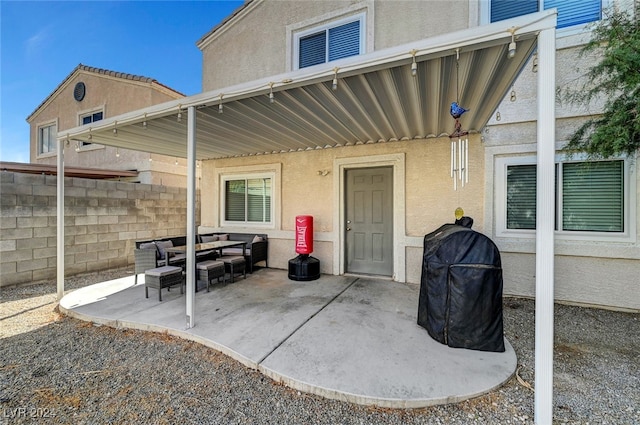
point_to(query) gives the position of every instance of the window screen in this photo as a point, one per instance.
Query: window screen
(330, 44)
(570, 12)
(47, 139)
(248, 200)
(521, 197)
(593, 196)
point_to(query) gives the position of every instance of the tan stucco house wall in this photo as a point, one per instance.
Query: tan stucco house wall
(589, 270)
(230, 55)
(113, 93)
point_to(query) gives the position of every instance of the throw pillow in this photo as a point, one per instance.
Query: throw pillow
(150, 245)
(224, 237)
(162, 248)
(256, 238)
(206, 239)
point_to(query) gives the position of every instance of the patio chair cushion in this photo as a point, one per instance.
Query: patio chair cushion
(236, 251)
(162, 246)
(163, 271)
(210, 265)
(206, 239)
(177, 258)
(150, 245)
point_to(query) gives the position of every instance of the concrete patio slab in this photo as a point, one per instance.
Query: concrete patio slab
(343, 337)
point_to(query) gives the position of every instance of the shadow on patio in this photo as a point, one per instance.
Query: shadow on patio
(342, 337)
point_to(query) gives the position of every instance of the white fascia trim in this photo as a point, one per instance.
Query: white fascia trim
(397, 162)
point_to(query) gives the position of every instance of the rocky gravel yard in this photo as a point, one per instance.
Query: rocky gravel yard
(55, 369)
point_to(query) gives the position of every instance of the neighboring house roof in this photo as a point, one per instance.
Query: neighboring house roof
(52, 170)
(205, 39)
(108, 73)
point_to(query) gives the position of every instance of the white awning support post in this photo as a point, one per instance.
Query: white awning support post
(191, 215)
(60, 222)
(545, 223)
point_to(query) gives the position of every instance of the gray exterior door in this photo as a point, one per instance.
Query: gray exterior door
(369, 221)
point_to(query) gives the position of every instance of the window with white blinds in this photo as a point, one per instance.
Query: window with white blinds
(47, 138)
(248, 200)
(589, 196)
(326, 43)
(570, 12)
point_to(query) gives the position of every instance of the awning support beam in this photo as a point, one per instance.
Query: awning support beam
(60, 222)
(545, 223)
(191, 215)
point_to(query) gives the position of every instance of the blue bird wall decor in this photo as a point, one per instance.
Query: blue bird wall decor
(457, 110)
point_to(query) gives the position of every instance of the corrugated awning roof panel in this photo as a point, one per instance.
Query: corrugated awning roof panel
(377, 99)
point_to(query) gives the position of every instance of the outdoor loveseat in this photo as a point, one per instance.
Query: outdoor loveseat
(256, 249)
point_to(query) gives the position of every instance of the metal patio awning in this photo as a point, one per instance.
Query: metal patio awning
(377, 99)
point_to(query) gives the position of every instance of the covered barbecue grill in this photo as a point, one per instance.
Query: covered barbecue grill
(460, 301)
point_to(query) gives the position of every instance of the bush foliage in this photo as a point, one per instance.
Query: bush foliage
(615, 78)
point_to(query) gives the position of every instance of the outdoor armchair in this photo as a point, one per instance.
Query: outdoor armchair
(145, 259)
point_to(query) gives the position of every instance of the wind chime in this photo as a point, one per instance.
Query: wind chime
(459, 147)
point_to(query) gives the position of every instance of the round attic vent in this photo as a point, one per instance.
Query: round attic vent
(79, 91)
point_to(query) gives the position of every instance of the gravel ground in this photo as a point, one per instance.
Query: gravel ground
(55, 369)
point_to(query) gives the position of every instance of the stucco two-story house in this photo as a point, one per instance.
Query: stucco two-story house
(598, 254)
(341, 110)
(88, 95)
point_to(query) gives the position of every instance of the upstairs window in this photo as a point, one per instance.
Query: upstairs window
(47, 138)
(88, 119)
(92, 117)
(570, 12)
(340, 39)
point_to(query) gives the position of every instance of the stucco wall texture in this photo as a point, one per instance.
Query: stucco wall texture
(233, 56)
(114, 96)
(603, 273)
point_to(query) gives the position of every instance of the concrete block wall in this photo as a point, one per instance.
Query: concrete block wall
(103, 219)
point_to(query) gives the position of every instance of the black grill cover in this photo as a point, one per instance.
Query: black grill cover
(461, 289)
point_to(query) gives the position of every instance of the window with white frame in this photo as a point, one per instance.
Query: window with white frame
(247, 200)
(592, 197)
(336, 40)
(88, 119)
(570, 12)
(47, 138)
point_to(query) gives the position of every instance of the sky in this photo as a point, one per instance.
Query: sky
(41, 42)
